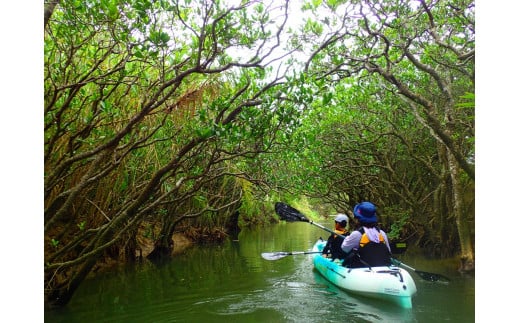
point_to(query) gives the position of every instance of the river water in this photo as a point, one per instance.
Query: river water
(231, 282)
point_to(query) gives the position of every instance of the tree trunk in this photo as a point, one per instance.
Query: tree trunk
(467, 261)
(62, 294)
(163, 247)
(48, 10)
(232, 227)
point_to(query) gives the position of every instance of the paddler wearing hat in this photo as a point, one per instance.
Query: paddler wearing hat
(368, 245)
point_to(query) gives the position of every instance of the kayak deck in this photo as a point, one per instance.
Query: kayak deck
(389, 283)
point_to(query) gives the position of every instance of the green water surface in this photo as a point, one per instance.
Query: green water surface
(233, 283)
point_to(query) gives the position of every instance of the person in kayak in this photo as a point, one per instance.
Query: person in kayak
(367, 246)
(333, 247)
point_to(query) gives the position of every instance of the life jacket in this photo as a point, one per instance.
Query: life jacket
(369, 253)
(334, 245)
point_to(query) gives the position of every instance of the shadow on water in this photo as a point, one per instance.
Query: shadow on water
(232, 283)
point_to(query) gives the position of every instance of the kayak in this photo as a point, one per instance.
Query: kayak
(389, 283)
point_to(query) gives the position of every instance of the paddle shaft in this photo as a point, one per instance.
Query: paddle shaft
(395, 261)
(292, 253)
(283, 254)
(326, 229)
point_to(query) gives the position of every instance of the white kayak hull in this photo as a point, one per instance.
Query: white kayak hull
(389, 283)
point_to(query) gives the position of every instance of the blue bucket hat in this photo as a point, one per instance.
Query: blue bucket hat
(365, 212)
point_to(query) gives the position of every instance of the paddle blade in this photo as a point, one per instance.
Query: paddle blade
(274, 255)
(432, 276)
(289, 213)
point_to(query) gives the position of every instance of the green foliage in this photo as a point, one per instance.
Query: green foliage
(55, 243)
(249, 208)
(399, 221)
(81, 225)
(468, 101)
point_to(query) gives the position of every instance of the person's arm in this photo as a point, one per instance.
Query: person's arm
(326, 249)
(351, 241)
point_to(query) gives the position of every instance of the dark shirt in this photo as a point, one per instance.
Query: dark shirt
(333, 245)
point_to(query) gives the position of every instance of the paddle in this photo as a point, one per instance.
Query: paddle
(282, 254)
(290, 214)
(423, 274)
